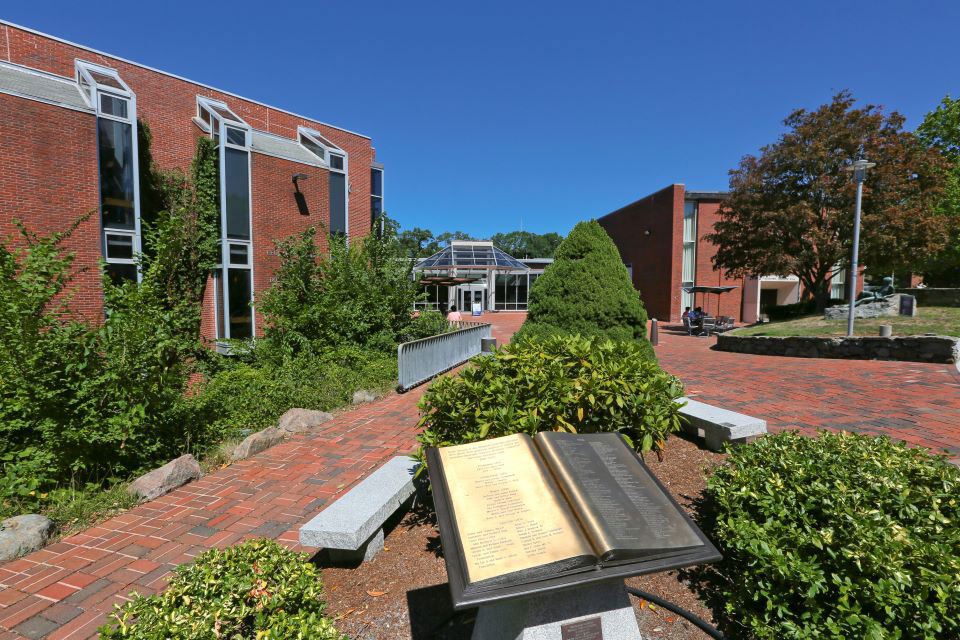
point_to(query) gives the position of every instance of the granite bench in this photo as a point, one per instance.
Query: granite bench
(719, 426)
(351, 529)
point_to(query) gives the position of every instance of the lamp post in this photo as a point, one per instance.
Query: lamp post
(859, 169)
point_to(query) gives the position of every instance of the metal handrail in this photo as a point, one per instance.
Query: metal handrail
(420, 360)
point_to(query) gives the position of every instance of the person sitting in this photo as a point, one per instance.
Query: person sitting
(454, 315)
(686, 314)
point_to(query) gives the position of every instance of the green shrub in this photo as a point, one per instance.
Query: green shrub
(564, 383)
(256, 589)
(839, 536)
(424, 325)
(587, 291)
(797, 309)
(359, 294)
(246, 397)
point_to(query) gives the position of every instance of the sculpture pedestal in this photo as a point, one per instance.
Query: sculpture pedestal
(593, 612)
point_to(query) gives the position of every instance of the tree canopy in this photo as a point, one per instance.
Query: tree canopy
(420, 243)
(790, 209)
(587, 291)
(940, 130)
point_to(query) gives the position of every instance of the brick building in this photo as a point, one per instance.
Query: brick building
(661, 239)
(68, 146)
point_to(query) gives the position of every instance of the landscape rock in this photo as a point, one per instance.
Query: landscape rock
(364, 396)
(299, 420)
(20, 535)
(879, 309)
(166, 478)
(257, 442)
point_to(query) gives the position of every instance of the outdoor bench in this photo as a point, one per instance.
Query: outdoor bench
(718, 426)
(351, 529)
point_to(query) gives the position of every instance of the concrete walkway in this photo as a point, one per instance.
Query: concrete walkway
(911, 401)
(67, 589)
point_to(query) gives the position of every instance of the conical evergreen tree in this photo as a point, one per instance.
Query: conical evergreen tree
(586, 290)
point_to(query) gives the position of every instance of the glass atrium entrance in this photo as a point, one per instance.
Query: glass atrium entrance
(469, 273)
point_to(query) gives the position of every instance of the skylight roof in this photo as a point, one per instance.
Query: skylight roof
(471, 256)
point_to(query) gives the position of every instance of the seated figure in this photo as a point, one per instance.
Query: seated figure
(882, 293)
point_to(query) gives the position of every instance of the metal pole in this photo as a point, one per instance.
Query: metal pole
(654, 332)
(856, 251)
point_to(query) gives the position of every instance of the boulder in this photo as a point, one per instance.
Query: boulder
(298, 420)
(257, 442)
(364, 396)
(166, 478)
(22, 534)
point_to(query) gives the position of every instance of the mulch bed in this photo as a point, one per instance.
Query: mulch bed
(402, 594)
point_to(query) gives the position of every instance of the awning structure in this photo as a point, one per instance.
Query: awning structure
(705, 289)
(449, 281)
(708, 289)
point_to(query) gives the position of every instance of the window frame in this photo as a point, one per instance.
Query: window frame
(329, 148)
(92, 90)
(216, 128)
(373, 196)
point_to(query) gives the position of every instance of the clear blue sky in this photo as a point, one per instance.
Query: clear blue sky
(486, 113)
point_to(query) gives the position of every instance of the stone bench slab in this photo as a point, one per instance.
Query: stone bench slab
(719, 426)
(357, 517)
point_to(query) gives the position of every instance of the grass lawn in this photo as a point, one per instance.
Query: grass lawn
(943, 321)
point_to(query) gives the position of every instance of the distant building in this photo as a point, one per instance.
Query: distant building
(68, 146)
(661, 239)
(472, 272)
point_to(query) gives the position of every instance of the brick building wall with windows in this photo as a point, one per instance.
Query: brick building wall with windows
(662, 238)
(68, 119)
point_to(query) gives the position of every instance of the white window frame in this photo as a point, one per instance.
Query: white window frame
(92, 92)
(380, 169)
(216, 128)
(686, 298)
(328, 147)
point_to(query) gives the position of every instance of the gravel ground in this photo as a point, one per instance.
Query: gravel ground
(402, 594)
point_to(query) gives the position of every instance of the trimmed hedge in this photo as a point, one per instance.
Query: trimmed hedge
(257, 589)
(839, 536)
(586, 291)
(564, 383)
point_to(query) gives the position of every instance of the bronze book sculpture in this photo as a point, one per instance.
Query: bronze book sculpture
(521, 515)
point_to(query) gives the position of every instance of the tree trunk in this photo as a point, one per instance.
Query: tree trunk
(821, 294)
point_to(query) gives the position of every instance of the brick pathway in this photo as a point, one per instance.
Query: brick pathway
(66, 590)
(911, 401)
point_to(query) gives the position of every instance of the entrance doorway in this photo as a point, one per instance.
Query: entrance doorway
(468, 296)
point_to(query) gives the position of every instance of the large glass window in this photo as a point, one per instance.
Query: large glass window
(116, 110)
(376, 194)
(237, 180)
(511, 291)
(689, 260)
(337, 163)
(838, 284)
(234, 276)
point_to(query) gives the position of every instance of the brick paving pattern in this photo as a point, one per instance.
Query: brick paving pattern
(911, 401)
(65, 590)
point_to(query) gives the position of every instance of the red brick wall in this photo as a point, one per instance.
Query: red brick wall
(654, 257)
(48, 179)
(726, 304)
(167, 104)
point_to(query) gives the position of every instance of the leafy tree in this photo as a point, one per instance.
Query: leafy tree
(940, 129)
(790, 210)
(587, 291)
(360, 294)
(418, 243)
(526, 244)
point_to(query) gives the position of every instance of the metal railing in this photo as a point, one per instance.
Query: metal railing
(420, 360)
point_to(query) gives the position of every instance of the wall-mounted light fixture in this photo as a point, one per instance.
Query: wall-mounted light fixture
(298, 195)
(646, 231)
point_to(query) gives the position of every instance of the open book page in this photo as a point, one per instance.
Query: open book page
(510, 514)
(622, 509)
